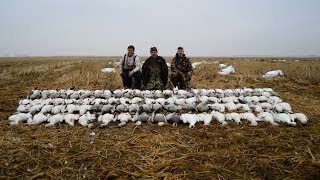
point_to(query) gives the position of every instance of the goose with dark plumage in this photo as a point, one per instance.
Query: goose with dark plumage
(173, 118)
(158, 117)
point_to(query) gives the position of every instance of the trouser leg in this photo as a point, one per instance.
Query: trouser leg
(178, 80)
(175, 79)
(183, 84)
(137, 80)
(126, 80)
(187, 83)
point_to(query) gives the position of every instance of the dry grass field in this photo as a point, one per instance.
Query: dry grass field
(153, 152)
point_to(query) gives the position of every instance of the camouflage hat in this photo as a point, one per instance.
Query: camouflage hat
(153, 49)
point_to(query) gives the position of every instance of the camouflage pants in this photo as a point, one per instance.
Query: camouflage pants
(180, 80)
(154, 84)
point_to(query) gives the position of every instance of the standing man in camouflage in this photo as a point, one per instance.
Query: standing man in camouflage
(155, 71)
(181, 70)
(130, 69)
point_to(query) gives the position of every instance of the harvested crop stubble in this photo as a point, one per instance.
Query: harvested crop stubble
(204, 152)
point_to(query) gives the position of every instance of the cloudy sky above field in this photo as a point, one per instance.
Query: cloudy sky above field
(203, 27)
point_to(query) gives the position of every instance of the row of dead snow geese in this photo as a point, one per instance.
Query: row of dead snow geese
(129, 93)
(174, 107)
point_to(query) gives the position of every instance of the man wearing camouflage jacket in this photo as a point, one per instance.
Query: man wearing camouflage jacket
(181, 70)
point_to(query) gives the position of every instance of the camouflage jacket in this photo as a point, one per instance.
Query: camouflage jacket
(182, 65)
(146, 70)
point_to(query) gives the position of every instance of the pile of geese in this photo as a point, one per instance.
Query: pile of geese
(101, 107)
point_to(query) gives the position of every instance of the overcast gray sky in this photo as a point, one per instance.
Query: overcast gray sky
(203, 27)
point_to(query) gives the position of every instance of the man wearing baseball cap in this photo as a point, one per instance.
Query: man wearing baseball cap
(155, 71)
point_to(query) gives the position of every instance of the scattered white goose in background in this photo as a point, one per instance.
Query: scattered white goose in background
(195, 64)
(273, 74)
(226, 71)
(222, 66)
(108, 70)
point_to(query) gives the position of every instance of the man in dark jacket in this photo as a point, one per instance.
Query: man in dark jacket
(154, 71)
(181, 70)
